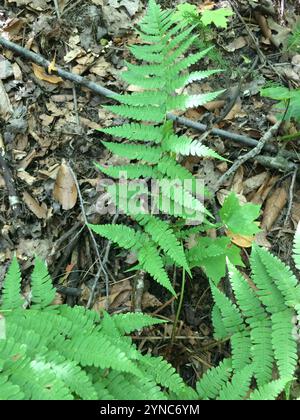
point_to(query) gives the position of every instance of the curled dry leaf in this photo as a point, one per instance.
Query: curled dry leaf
(274, 206)
(41, 74)
(39, 210)
(241, 240)
(65, 191)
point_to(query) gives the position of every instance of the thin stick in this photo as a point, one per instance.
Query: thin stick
(101, 266)
(291, 196)
(94, 87)
(57, 9)
(179, 305)
(250, 155)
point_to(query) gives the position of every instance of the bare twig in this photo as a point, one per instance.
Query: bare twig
(291, 196)
(57, 10)
(94, 87)
(99, 260)
(250, 155)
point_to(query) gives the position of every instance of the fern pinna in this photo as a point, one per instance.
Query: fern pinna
(263, 327)
(151, 142)
(50, 352)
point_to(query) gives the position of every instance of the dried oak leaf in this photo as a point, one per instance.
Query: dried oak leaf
(65, 191)
(42, 75)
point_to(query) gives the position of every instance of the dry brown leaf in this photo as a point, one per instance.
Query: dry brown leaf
(263, 192)
(274, 206)
(237, 183)
(6, 109)
(253, 183)
(120, 295)
(241, 240)
(296, 213)
(65, 191)
(237, 44)
(26, 177)
(41, 74)
(13, 26)
(150, 301)
(39, 210)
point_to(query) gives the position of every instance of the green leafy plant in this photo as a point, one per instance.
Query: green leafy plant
(289, 101)
(204, 23)
(153, 147)
(263, 326)
(50, 352)
(191, 13)
(293, 43)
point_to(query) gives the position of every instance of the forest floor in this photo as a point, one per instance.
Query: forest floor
(48, 125)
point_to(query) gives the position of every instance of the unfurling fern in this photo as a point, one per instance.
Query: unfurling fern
(50, 352)
(261, 327)
(150, 142)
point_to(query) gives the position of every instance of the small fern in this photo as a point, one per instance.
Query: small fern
(56, 352)
(261, 330)
(154, 147)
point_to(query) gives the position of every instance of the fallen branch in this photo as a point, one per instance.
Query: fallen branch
(94, 87)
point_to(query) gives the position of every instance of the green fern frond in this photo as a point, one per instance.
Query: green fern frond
(269, 391)
(130, 171)
(164, 374)
(136, 131)
(282, 276)
(11, 292)
(148, 154)
(186, 146)
(145, 113)
(241, 350)
(162, 234)
(232, 318)
(152, 262)
(42, 290)
(196, 76)
(284, 344)
(219, 328)
(214, 380)
(262, 351)
(122, 235)
(127, 323)
(239, 386)
(297, 247)
(9, 391)
(268, 293)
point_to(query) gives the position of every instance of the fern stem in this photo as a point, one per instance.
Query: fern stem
(173, 336)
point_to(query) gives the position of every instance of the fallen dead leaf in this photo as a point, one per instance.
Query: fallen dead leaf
(150, 301)
(41, 74)
(261, 195)
(241, 240)
(40, 211)
(6, 109)
(274, 206)
(65, 191)
(237, 44)
(254, 182)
